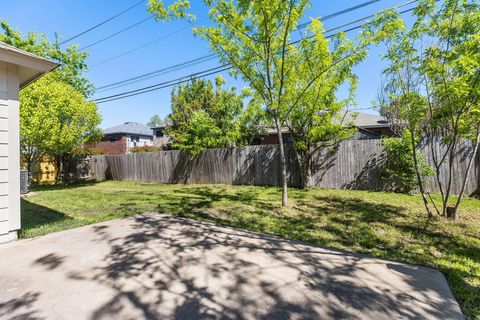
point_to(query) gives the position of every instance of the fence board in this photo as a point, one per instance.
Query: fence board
(356, 164)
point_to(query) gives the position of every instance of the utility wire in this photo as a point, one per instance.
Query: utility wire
(102, 23)
(211, 56)
(158, 72)
(116, 33)
(339, 13)
(164, 84)
(227, 67)
(139, 47)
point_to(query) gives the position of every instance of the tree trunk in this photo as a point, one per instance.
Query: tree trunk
(419, 177)
(283, 164)
(464, 182)
(30, 168)
(58, 163)
(450, 178)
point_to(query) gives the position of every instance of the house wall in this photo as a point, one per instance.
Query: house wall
(119, 146)
(9, 152)
(138, 141)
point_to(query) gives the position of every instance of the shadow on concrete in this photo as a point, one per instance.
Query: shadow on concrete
(175, 268)
(21, 307)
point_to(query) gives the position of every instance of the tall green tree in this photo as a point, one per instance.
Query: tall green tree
(207, 116)
(56, 120)
(156, 121)
(318, 121)
(55, 116)
(432, 87)
(71, 61)
(256, 39)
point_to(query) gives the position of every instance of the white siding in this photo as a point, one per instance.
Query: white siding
(4, 189)
(3, 124)
(3, 150)
(4, 211)
(4, 227)
(3, 202)
(13, 147)
(3, 176)
(4, 214)
(3, 163)
(9, 149)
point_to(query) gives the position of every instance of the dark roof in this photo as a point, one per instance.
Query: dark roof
(130, 128)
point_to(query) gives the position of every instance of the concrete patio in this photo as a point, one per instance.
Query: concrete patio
(155, 266)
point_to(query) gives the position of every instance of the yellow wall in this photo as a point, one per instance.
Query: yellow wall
(45, 171)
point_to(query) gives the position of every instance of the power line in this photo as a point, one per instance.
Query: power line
(170, 83)
(139, 47)
(158, 72)
(209, 57)
(164, 84)
(339, 13)
(102, 23)
(116, 33)
(219, 69)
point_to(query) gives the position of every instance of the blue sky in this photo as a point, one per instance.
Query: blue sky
(69, 17)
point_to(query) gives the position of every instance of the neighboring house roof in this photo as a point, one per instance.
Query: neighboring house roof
(359, 119)
(365, 120)
(30, 66)
(130, 128)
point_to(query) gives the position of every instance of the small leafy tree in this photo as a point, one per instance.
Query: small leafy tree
(204, 116)
(55, 120)
(156, 121)
(433, 87)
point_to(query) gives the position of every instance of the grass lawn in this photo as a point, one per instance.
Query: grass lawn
(386, 225)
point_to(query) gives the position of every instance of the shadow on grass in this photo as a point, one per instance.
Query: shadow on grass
(64, 185)
(35, 216)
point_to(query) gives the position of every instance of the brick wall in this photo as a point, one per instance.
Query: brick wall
(118, 146)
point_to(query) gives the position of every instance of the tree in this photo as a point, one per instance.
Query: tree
(255, 38)
(72, 62)
(55, 120)
(156, 121)
(433, 87)
(55, 117)
(317, 122)
(206, 116)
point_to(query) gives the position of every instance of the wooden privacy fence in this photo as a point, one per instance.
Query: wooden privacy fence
(356, 164)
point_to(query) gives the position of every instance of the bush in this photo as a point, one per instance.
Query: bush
(145, 149)
(399, 172)
(89, 152)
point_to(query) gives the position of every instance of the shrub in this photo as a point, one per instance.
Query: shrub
(399, 173)
(145, 149)
(89, 151)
